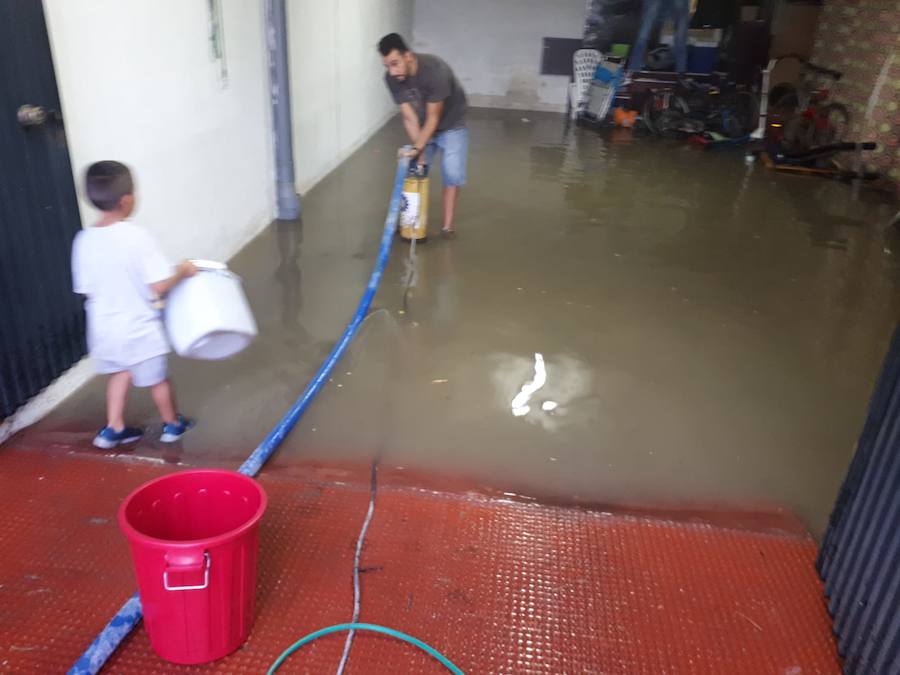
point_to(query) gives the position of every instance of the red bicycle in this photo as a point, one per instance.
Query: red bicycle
(801, 116)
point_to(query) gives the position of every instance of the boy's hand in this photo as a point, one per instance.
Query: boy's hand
(183, 270)
(186, 269)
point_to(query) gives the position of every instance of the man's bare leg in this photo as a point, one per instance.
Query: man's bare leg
(451, 194)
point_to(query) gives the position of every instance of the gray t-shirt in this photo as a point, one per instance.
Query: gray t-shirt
(433, 82)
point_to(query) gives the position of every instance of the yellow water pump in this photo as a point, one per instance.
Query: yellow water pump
(414, 203)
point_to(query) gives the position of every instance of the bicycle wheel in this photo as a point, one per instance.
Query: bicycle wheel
(658, 103)
(738, 114)
(799, 133)
(832, 124)
(670, 123)
(784, 97)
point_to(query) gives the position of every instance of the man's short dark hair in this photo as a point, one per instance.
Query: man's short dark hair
(106, 183)
(390, 42)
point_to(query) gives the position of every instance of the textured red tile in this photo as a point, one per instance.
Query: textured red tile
(498, 586)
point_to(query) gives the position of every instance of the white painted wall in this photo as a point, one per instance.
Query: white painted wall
(139, 84)
(494, 46)
(337, 88)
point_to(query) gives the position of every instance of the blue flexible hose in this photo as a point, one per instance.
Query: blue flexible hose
(372, 628)
(130, 613)
(265, 449)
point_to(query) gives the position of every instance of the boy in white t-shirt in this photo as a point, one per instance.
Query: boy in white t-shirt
(120, 269)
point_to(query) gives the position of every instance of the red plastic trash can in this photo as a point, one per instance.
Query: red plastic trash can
(194, 538)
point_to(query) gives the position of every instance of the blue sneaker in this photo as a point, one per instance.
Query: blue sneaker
(109, 438)
(173, 432)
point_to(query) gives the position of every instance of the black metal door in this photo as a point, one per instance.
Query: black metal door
(41, 320)
(860, 556)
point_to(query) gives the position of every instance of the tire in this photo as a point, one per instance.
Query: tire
(658, 103)
(799, 134)
(670, 123)
(837, 119)
(783, 97)
(661, 58)
(739, 114)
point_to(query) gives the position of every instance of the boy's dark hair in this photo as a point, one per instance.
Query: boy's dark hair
(106, 183)
(390, 42)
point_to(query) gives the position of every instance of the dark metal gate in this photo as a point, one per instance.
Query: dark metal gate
(860, 555)
(41, 320)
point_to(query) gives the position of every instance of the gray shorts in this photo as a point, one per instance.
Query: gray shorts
(147, 373)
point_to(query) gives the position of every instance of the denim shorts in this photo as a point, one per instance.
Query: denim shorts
(453, 145)
(147, 373)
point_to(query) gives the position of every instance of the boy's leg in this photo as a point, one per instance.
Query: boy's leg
(164, 397)
(175, 426)
(153, 373)
(116, 397)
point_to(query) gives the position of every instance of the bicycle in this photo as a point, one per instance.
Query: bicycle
(803, 113)
(693, 108)
(657, 104)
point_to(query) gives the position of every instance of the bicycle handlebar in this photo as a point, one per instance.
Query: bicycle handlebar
(821, 70)
(832, 149)
(833, 74)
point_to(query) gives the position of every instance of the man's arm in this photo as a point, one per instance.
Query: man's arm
(432, 118)
(410, 121)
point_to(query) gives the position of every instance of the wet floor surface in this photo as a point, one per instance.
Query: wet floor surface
(702, 331)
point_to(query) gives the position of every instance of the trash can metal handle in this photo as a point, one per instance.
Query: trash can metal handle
(205, 584)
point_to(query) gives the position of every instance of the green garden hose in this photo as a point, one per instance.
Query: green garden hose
(372, 628)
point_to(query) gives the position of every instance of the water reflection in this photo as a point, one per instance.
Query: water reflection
(519, 403)
(556, 392)
(289, 238)
(696, 343)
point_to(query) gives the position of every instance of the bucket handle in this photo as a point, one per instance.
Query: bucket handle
(205, 584)
(222, 273)
(212, 267)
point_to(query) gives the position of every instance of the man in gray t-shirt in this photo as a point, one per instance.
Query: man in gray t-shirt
(433, 106)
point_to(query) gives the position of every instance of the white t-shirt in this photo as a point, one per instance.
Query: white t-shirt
(114, 267)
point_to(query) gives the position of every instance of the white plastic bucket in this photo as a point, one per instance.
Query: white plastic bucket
(207, 316)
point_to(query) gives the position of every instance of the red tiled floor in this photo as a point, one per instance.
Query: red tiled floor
(498, 586)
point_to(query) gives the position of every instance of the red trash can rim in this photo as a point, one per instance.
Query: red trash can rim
(133, 534)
